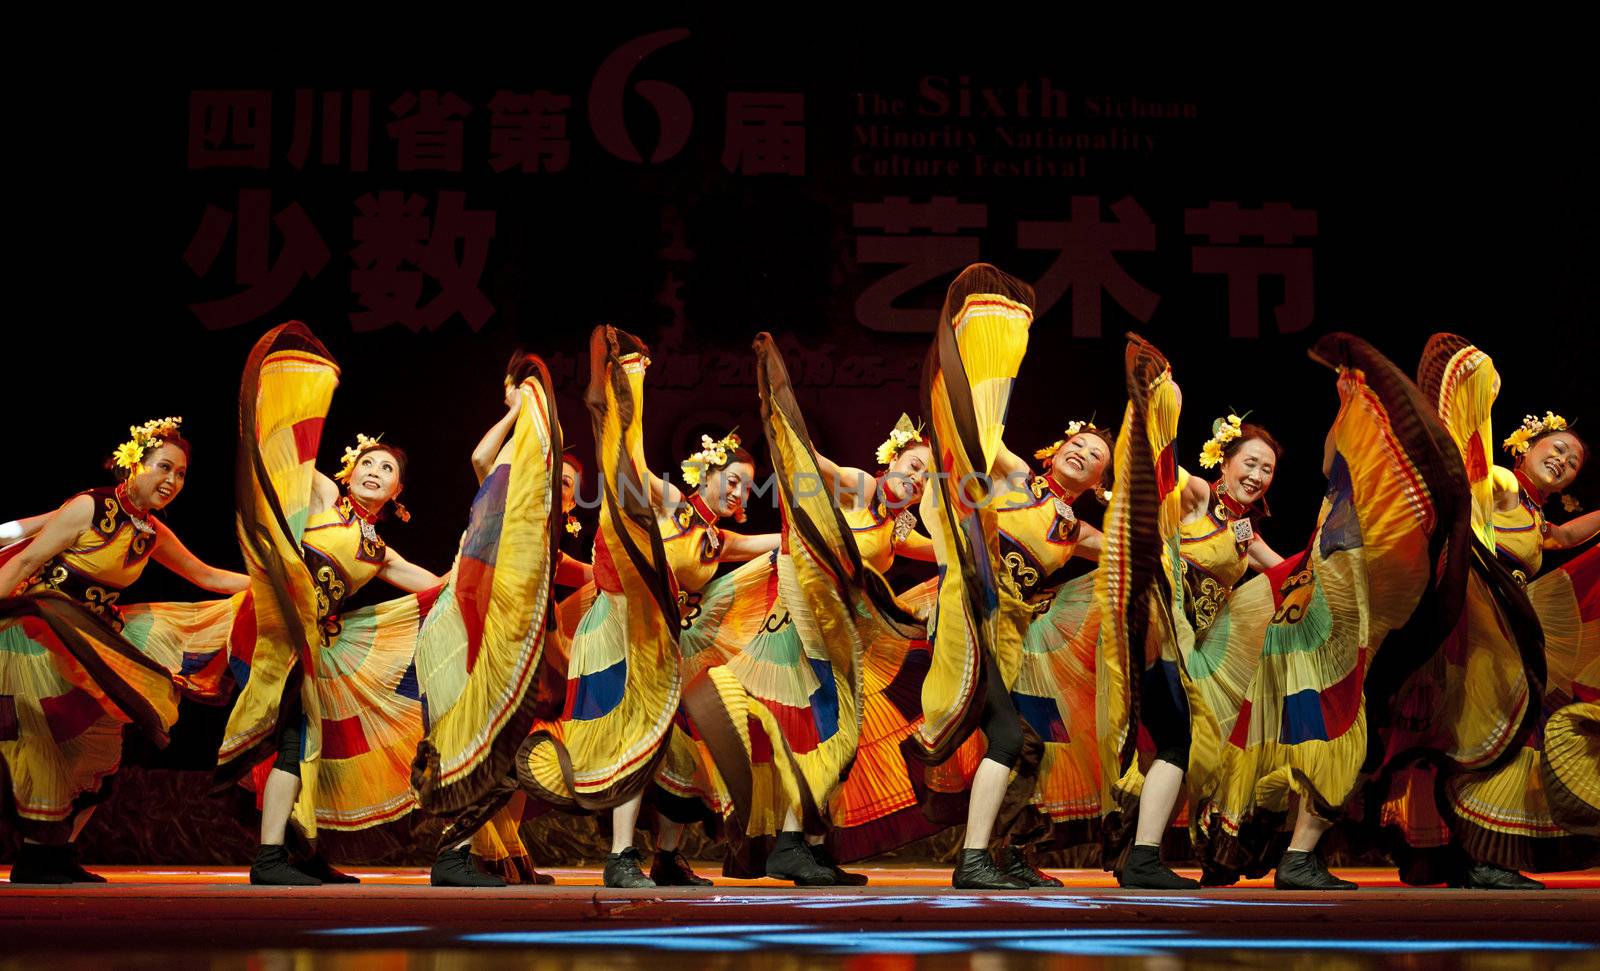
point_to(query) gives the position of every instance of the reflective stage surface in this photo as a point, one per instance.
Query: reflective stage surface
(904, 921)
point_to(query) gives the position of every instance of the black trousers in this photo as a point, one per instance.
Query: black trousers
(1166, 714)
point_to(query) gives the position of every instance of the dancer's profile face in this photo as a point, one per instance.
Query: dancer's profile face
(908, 475)
(569, 487)
(727, 490)
(1080, 463)
(376, 479)
(1553, 462)
(159, 477)
(1248, 471)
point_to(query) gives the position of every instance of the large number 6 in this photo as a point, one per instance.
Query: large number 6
(673, 111)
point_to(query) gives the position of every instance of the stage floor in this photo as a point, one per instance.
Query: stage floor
(907, 917)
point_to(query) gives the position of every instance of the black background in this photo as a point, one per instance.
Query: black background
(1449, 198)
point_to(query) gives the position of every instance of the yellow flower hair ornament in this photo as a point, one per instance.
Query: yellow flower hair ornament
(353, 452)
(1073, 428)
(712, 455)
(1531, 428)
(902, 436)
(142, 440)
(1223, 431)
(573, 526)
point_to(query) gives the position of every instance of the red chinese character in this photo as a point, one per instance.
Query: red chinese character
(431, 139)
(1277, 224)
(674, 113)
(332, 133)
(1086, 265)
(266, 286)
(396, 248)
(765, 133)
(230, 129)
(529, 130)
(926, 257)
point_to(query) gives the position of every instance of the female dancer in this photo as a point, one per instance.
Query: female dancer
(981, 617)
(331, 710)
(69, 679)
(1507, 705)
(1257, 691)
(1054, 690)
(497, 843)
(782, 716)
(622, 728)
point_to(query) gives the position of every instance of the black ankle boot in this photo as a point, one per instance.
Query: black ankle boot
(975, 870)
(75, 869)
(1145, 871)
(1014, 864)
(318, 866)
(841, 878)
(41, 863)
(272, 869)
(622, 871)
(453, 868)
(1305, 870)
(670, 869)
(1487, 876)
(791, 859)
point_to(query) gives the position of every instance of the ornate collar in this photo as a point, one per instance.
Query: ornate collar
(904, 522)
(141, 521)
(357, 510)
(368, 520)
(1062, 502)
(1529, 489)
(713, 534)
(1232, 508)
(702, 510)
(881, 493)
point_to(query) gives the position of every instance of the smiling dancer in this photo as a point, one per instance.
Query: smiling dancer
(782, 716)
(70, 678)
(1506, 710)
(622, 729)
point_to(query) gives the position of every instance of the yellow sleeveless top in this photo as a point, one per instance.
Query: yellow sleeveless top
(1038, 533)
(343, 553)
(874, 531)
(691, 543)
(103, 559)
(1519, 533)
(1213, 562)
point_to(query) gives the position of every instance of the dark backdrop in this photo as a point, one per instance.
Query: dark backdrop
(1413, 200)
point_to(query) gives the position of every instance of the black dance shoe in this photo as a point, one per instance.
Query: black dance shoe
(319, 867)
(41, 863)
(670, 869)
(976, 871)
(791, 859)
(1487, 876)
(453, 868)
(622, 871)
(1305, 870)
(75, 870)
(841, 878)
(272, 869)
(1145, 871)
(1014, 864)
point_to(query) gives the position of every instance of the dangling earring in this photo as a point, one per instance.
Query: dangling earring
(401, 512)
